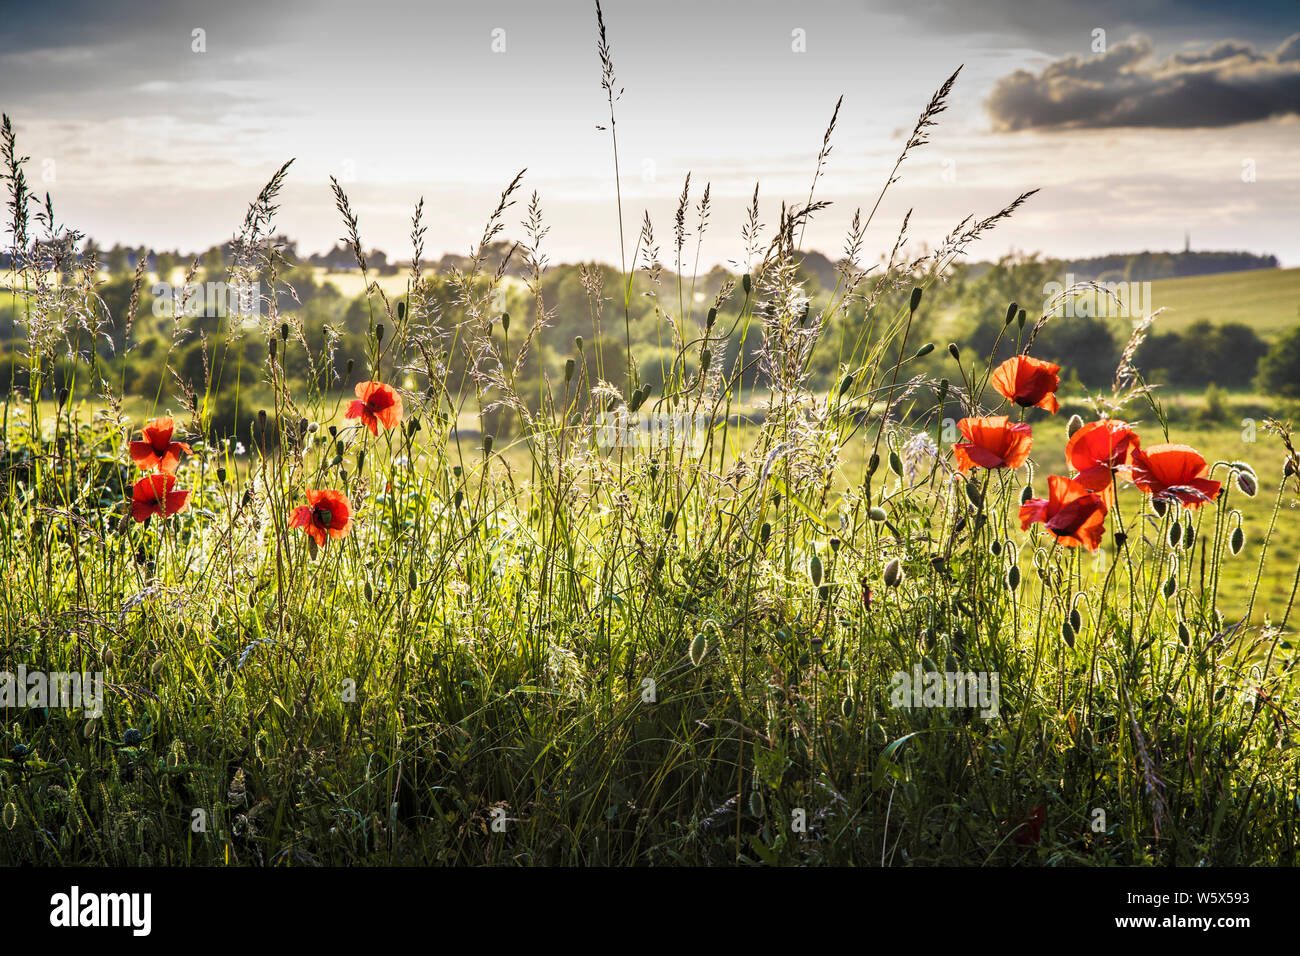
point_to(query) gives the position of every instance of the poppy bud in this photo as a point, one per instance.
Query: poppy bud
(1175, 534)
(458, 498)
(1247, 483)
(379, 334)
(158, 666)
(1076, 619)
(274, 346)
(711, 318)
(668, 520)
(974, 494)
(845, 383)
(835, 545)
(916, 299)
(412, 581)
(1159, 506)
(873, 464)
(1067, 632)
(815, 570)
(877, 514)
(705, 358)
(577, 342)
(893, 574)
(351, 363)
(1074, 424)
(401, 310)
(369, 592)
(361, 459)
(954, 351)
(1013, 578)
(487, 444)
(284, 331)
(1020, 318)
(764, 532)
(132, 737)
(746, 283)
(1237, 541)
(699, 646)
(924, 350)
(1120, 539)
(568, 370)
(108, 656)
(63, 397)
(895, 463)
(995, 547)
(1168, 588)
(1011, 313)
(221, 475)
(261, 419)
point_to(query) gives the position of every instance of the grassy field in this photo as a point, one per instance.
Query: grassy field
(1267, 300)
(837, 633)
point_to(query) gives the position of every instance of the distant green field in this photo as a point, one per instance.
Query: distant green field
(1267, 299)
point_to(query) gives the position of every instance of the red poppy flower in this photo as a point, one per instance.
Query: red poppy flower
(157, 451)
(1174, 471)
(1031, 829)
(1074, 514)
(992, 443)
(376, 403)
(153, 495)
(1029, 382)
(328, 513)
(1097, 450)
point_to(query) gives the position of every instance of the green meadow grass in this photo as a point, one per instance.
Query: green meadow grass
(1268, 300)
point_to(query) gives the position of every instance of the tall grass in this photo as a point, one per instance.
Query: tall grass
(546, 650)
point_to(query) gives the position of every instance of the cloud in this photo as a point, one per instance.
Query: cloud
(1227, 84)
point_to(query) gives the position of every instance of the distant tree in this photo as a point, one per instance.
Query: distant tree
(1279, 369)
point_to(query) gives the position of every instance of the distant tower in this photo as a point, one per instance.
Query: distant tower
(1187, 243)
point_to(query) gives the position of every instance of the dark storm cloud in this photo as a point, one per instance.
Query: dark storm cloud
(1229, 83)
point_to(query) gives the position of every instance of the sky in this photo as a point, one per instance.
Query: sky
(1140, 122)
